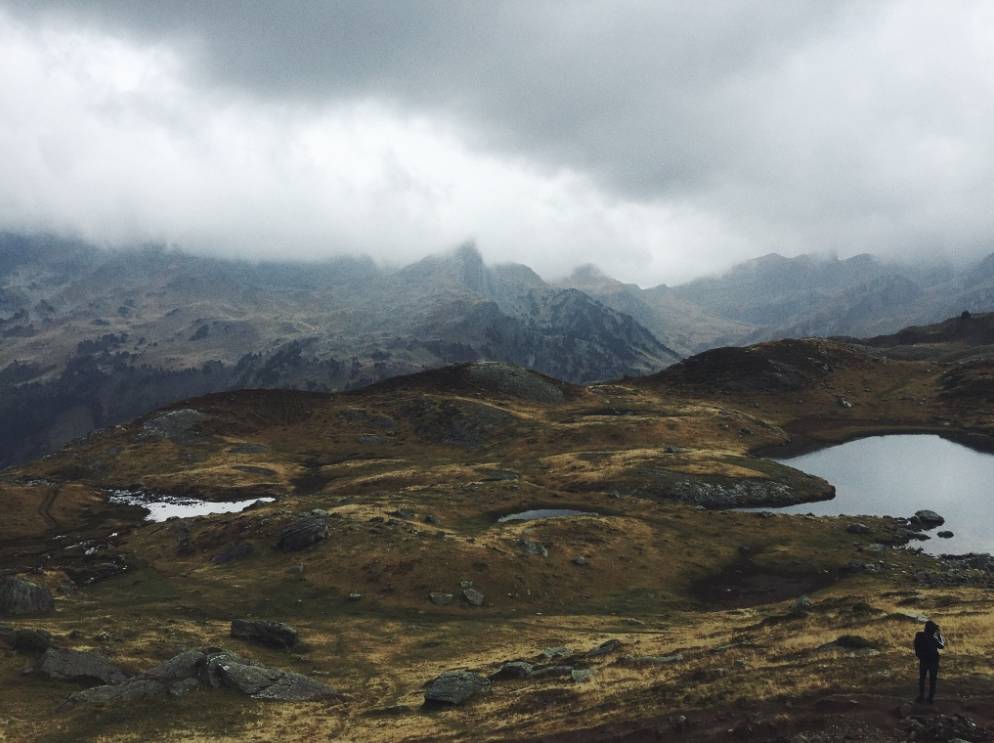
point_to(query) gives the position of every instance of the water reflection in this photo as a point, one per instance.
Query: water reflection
(161, 507)
(544, 513)
(898, 475)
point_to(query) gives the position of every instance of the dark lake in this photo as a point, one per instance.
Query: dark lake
(898, 475)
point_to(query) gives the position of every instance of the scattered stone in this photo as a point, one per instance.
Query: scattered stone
(21, 597)
(273, 634)
(403, 513)
(672, 450)
(859, 529)
(515, 669)
(456, 687)
(440, 599)
(801, 606)
(579, 675)
(532, 548)
(555, 652)
(945, 535)
(843, 403)
(429, 519)
(474, 597)
(581, 561)
(305, 531)
(355, 596)
(233, 553)
(79, 667)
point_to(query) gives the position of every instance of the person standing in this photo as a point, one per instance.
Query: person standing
(928, 643)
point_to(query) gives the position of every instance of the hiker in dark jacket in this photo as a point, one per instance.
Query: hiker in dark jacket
(928, 643)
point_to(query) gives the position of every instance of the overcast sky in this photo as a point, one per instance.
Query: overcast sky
(658, 140)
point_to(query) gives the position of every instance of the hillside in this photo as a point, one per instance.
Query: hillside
(92, 338)
(655, 613)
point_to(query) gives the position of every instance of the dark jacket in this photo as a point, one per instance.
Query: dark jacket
(928, 645)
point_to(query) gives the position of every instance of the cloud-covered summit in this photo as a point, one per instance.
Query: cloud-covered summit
(656, 140)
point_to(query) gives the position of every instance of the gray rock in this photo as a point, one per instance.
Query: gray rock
(944, 535)
(136, 689)
(558, 652)
(429, 519)
(233, 553)
(184, 687)
(515, 669)
(31, 640)
(186, 665)
(801, 606)
(80, 667)
(273, 634)
(21, 597)
(474, 597)
(456, 687)
(581, 561)
(532, 548)
(580, 675)
(305, 531)
(603, 649)
(859, 529)
(930, 518)
(440, 599)
(403, 513)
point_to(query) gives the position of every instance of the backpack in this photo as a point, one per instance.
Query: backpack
(923, 648)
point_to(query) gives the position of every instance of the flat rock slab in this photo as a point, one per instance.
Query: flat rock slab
(21, 597)
(80, 667)
(456, 687)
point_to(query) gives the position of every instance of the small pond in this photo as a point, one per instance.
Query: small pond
(161, 507)
(544, 513)
(898, 475)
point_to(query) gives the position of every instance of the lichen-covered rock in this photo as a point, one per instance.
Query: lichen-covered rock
(265, 632)
(930, 519)
(514, 669)
(532, 548)
(80, 667)
(21, 597)
(456, 687)
(305, 531)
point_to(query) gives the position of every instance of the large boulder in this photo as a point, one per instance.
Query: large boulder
(273, 634)
(233, 553)
(21, 597)
(930, 519)
(456, 687)
(224, 669)
(305, 531)
(80, 667)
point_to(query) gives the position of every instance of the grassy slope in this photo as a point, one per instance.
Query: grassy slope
(656, 573)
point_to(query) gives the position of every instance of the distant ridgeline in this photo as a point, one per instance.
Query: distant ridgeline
(94, 337)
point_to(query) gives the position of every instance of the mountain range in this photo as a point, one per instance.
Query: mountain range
(93, 337)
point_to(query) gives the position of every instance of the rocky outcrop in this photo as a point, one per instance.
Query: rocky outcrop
(21, 597)
(456, 687)
(212, 668)
(304, 532)
(264, 632)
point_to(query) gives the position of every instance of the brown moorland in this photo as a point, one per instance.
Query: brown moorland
(414, 475)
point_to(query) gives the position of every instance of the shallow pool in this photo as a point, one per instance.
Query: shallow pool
(161, 507)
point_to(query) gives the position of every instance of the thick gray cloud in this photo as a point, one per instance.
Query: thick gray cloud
(658, 140)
